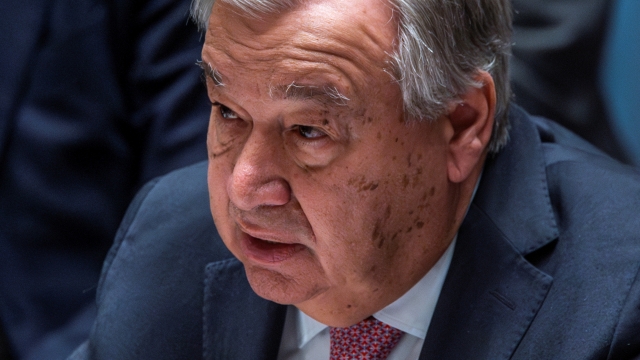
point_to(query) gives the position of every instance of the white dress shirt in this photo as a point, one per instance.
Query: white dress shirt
(305, 338)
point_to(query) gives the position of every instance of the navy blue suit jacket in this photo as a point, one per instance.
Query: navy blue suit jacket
(545, 267)
(97, 97)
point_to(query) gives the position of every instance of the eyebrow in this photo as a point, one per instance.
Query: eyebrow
(295, 91)
(211, 72)
(291, 91)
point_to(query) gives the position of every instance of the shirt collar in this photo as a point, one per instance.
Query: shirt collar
(413, 311)
(308, 328)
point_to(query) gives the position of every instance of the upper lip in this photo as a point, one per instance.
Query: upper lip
(276, 224)
(263, 233)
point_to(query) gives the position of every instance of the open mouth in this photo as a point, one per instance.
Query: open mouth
(266, 251)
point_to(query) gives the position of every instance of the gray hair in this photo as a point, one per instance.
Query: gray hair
(441, 46)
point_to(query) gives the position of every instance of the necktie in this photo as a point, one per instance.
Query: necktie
(369, 339)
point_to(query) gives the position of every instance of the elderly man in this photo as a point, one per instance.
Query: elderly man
(375, 194)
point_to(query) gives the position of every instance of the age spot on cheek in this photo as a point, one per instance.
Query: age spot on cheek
(405, 181)
(417, 178)
(382, 238)
(362, 184)
(377, 236)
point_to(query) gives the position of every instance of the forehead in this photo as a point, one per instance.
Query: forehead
(342, 44)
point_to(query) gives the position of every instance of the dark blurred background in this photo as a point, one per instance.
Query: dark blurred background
(96, 98)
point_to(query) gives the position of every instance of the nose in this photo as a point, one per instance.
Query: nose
(257, 178)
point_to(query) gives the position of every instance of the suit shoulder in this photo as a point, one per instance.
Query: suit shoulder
(587, 185)
(592, 194)
(174, 211)
(152, 285)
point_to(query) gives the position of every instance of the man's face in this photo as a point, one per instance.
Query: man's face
(330, 200)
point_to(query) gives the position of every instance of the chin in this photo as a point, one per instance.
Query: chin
(279, 288)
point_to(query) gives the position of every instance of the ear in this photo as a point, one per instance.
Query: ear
(471, 120)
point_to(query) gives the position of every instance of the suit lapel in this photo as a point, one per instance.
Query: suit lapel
(514, 192)
(489, 298)
(238, 324)
(492, 293)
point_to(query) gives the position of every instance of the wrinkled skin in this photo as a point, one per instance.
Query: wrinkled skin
(335, 205)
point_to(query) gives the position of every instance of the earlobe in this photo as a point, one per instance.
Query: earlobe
(471, 118)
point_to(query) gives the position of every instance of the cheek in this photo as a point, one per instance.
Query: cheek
(351, 218)
(218, 172)
(217, 175)
(380, 216)
(220, 168)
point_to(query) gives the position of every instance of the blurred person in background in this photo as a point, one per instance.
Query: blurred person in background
(620, 77)
(96, 98)
(568, 57)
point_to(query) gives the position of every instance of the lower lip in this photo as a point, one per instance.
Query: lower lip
(268, 252)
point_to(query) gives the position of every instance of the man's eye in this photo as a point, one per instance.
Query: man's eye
(310, 132)
(225, 112)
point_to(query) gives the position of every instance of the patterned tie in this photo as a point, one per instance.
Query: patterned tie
(369, 339)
